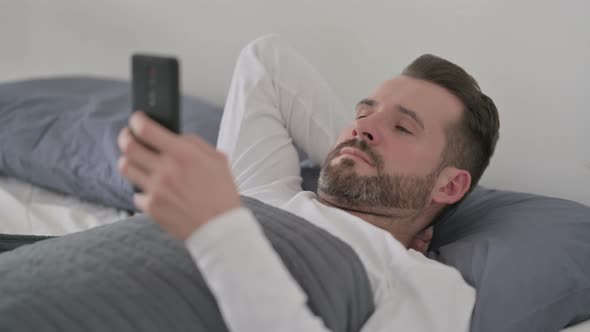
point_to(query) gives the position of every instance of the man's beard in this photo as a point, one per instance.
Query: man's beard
(373, 192)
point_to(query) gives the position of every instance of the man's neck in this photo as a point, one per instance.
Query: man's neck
(402, 224)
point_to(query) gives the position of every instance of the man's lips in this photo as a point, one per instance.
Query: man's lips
(357, 153)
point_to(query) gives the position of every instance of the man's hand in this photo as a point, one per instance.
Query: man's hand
(185, 181)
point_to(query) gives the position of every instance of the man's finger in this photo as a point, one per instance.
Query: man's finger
(133, 172)
(201, 144)
(160, 210)
(140, 201)
(152, 133)
(136, 152)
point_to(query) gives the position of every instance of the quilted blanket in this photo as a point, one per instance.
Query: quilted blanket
(133, 276)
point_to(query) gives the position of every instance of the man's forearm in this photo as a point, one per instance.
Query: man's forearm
(254, 290)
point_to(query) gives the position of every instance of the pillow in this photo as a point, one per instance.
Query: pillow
(528, 256)
(60, 133)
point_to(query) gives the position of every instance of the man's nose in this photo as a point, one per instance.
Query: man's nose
(367, 129)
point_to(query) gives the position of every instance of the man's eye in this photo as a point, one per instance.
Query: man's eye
(360, 117)
(403, 130)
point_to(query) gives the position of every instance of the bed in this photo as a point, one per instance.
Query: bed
(522, 236)
(526, 254)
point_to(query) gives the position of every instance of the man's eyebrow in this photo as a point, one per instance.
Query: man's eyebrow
(366, 102)
(411, 114)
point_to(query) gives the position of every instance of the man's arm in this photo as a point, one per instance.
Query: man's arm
(253, 289)
(276, 98)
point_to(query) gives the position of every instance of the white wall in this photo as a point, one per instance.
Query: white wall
(531, 57)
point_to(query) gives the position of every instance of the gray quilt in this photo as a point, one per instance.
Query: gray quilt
(132, 276)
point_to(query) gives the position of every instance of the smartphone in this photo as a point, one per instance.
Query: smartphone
(156, 88)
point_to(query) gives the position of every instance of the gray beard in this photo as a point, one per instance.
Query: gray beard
(376, 192)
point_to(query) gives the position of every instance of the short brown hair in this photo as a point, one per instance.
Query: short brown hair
(471, 142)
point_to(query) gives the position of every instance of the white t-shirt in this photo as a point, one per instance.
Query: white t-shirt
(276, 98)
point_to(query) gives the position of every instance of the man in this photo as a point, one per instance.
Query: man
(418, 144)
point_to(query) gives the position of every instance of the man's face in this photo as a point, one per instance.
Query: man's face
(390, 156)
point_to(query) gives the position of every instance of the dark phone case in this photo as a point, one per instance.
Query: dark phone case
(156, 89)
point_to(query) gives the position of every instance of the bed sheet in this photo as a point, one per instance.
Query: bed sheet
(32, 210)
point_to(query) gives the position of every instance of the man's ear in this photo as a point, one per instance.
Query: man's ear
(451, 186)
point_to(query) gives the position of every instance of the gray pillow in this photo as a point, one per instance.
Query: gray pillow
(60, 133)
(528, 256)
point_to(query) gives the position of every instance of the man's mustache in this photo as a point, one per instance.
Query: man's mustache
(362, 145)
